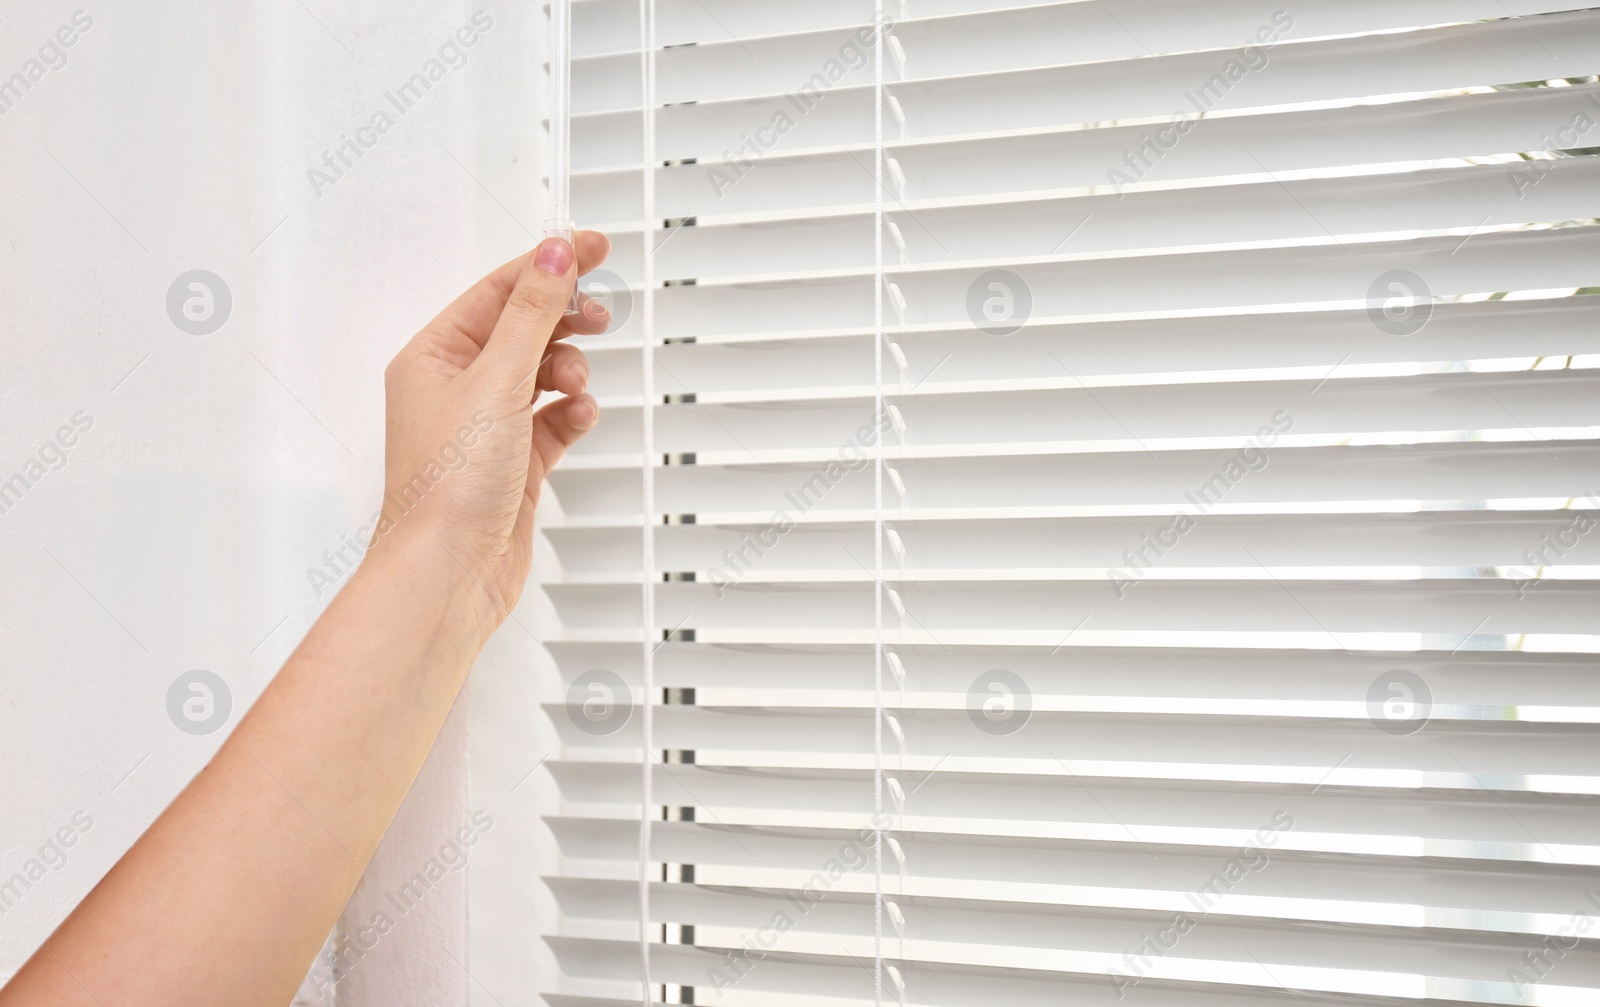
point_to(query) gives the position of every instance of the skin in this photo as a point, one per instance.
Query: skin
(227, 897)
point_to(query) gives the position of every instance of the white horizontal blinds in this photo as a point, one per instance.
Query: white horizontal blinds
(1239, 621)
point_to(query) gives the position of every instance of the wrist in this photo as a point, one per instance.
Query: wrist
(421, 571)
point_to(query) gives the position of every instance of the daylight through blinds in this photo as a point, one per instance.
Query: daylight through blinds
(1229, 571)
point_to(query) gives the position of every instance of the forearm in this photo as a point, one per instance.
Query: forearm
(226, 898)
(277, 829)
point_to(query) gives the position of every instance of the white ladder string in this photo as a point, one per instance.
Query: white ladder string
(647, 56)
(877, 505)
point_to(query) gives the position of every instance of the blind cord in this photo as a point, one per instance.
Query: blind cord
(877, 506)
(647, 28)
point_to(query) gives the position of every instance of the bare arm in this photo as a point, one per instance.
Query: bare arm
(228, 896)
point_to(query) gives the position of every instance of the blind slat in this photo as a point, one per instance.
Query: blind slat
(1434, 61)
(1377, 622)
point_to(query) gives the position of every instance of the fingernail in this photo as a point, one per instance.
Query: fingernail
(553, 256)
(583, 413)
(581, 374)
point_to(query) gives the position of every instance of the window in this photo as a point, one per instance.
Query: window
(1142, 453)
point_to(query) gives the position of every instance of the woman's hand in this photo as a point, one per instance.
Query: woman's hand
(467, 449)
(255, 859)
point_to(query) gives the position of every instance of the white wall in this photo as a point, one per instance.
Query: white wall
(178, 533)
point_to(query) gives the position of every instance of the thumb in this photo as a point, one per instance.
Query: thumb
(537, 302)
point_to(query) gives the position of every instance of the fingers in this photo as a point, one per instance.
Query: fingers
(592, 319)
(565, 370)
(475, 312)
(537, 301)
(557, 427)
(593, 247)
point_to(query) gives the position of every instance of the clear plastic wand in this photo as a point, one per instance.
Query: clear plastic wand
(559, 224)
